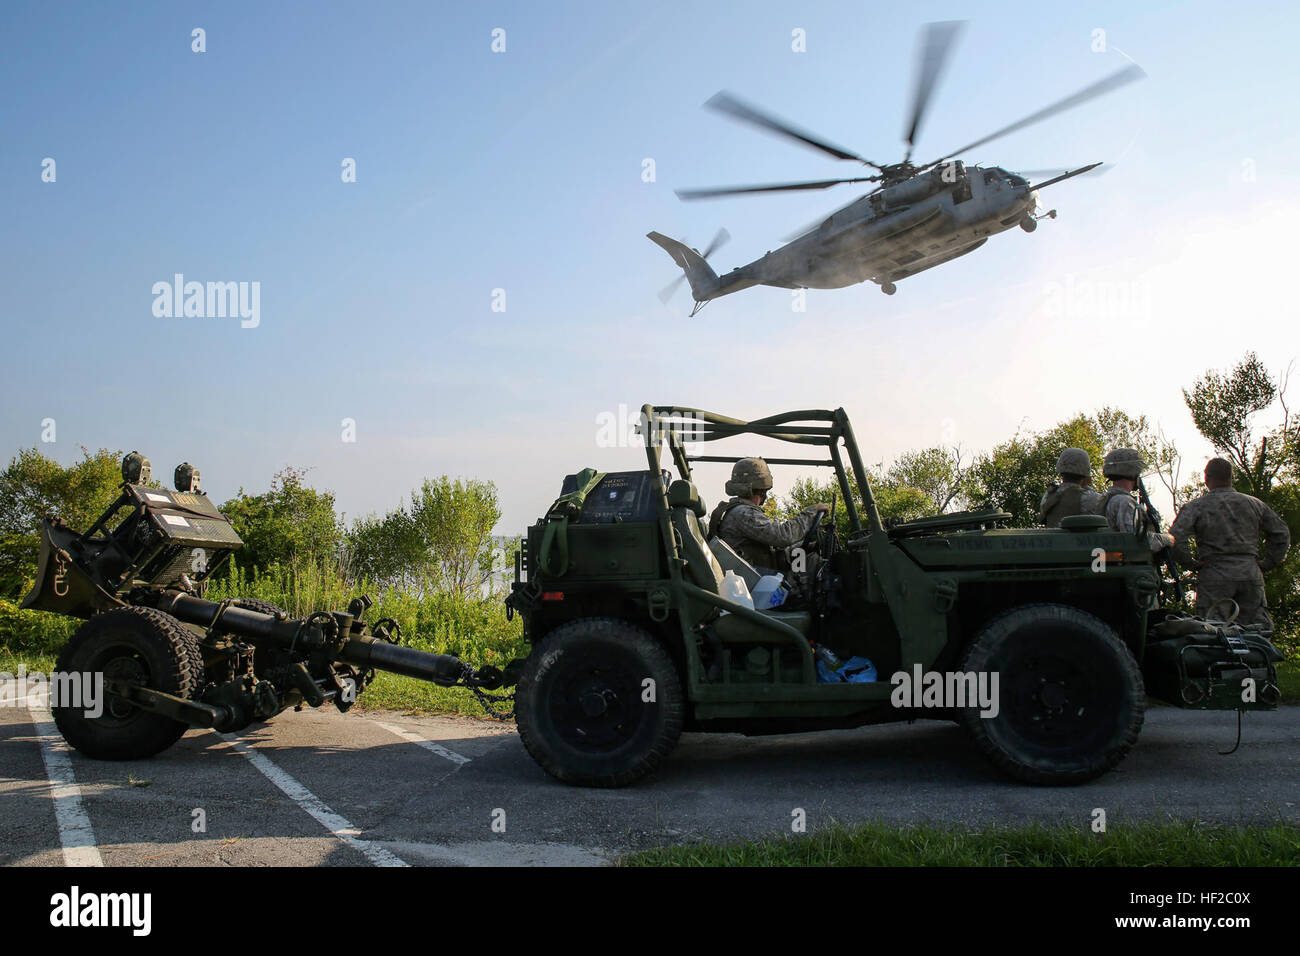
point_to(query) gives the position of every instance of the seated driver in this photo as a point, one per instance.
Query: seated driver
(742, 523)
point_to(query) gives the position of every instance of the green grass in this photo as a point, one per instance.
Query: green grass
(887, 844)
(413, 696)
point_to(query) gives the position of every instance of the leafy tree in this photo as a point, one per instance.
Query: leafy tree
(453, 522)
(383, 550)
(894, 500)
(1222, 406)
(939, 473)
(1118, 429)
(291, 524)
(34, 487)
(441, 542)
(1013, 476)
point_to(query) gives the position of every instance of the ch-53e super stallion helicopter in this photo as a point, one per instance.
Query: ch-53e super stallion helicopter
(917, 218)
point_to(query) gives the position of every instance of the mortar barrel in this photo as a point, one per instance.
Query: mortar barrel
(368, 652)
(240, 621)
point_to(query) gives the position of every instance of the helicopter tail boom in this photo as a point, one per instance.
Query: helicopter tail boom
(704, 281)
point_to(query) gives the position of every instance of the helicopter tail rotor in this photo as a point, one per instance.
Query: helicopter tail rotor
(704, 281)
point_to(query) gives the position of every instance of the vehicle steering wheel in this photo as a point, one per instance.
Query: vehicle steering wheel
(810, 539)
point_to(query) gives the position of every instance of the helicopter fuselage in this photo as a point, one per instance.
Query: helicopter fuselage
(901, 230)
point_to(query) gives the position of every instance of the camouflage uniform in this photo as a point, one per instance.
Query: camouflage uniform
(1120, 507)
(1070, 497)
(1065, 499)
(1227, 526)
(756, 537)
(744, 525)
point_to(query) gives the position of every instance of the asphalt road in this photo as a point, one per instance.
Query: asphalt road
(377, 788)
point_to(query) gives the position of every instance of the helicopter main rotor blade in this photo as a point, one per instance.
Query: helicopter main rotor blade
(1067, 175)
(1117, 79)
(937, 47)
(724, 102)
(713, 193)
(1055, 171)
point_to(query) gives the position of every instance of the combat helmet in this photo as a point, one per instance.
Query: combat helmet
(1122, 463)
(749, 476)
(1074, 461)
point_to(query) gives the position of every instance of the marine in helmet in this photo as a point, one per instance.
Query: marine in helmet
(1123, 467)
(741, 522)
(1072, 495)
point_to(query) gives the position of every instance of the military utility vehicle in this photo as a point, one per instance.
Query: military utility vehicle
(633, 642)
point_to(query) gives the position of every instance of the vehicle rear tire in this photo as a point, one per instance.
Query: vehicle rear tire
(140, 645)
(580, 704)
(1071, 697)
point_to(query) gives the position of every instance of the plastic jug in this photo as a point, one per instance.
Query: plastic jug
(735, 590)
(768, 592)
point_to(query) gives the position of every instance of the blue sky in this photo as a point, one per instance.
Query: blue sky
(522, 171)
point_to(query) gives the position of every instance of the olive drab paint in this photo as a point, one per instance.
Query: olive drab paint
(953, 600)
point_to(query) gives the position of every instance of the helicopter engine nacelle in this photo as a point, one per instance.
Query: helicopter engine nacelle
(909, 191)
(948, 174)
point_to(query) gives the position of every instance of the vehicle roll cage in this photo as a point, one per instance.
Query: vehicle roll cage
(677, 425)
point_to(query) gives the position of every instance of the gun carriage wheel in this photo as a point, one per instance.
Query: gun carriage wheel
(133, 645)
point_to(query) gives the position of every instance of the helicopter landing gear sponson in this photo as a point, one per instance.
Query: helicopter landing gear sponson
(1029, 224)
(888, 288)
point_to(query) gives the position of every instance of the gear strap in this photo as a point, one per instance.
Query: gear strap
(715, 519)
(554, 555)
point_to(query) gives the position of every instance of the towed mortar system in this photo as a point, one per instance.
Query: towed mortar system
(171, 660)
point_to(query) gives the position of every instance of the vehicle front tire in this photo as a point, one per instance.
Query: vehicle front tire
(138, 645)
(1071, 699)
(582, 704)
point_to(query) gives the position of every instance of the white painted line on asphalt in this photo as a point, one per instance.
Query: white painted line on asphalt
(414, 738)
(314, 805)
(75, 832)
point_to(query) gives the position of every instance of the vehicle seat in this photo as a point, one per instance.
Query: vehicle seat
(731, 561)
(685, 510)
(704, 570)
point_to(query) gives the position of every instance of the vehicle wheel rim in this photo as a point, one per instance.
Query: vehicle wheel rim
(120, 662)
(596, 706)
(1050, 697)
(1054, 698)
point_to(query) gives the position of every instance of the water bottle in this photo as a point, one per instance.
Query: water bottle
(827, 657)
